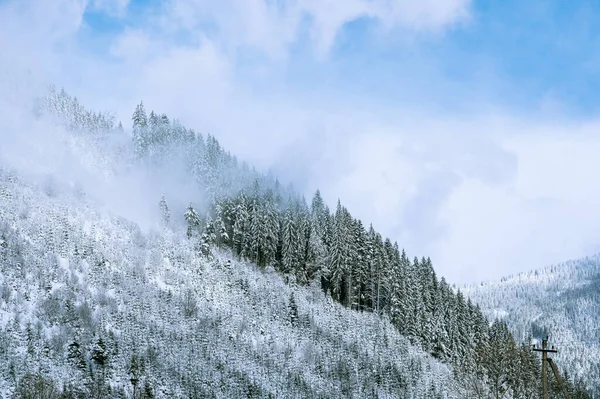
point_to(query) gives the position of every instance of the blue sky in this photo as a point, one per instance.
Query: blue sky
(465, 130)
(512, 53)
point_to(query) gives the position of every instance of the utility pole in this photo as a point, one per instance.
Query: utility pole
(134, 382)
(545, 361)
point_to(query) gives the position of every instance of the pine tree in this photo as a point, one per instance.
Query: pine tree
(352, 259)
(442, 349)
(428, 287)
(271, 228)
(228, 208)
(249, 238)
(240, 226)
(463, 343)
(360, 269)
(153, 120)
(192, 219)
(338, 265)
(164, 208)
(203, 246)
(293, 310)
(380, 273)
(75, 356)
(207, 238)
(140, 128)
(255, 236)
(147, 392)
(318, 213)
(221, 235)
(500, 353)
(304, 273)
(387, 259)
(288, 242)
(398, 295)
(316, 258)
(524, 374)
(99, 353)
(134, 367)
(414, 305)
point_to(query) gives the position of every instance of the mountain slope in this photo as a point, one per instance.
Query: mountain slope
(97, 286)
(215, 328)
(562, 301)
(158, 259)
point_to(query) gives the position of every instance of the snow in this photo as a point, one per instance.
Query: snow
(561, 301)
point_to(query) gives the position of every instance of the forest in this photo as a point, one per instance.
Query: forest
(561, 301)
(242, 289)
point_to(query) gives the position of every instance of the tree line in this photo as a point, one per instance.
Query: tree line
(307, 244)
(354, 264)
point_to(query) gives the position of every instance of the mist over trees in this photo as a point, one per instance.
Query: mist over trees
(247, 290)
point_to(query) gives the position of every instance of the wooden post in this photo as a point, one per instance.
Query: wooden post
(134, 382)
(545, 361)
(558, 378)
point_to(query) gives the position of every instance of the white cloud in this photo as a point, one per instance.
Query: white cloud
(484, 197)
(331, 15)
(273, 26)
(254, 23)
(194, 84)
(133, 45)
(545, 213)
(426, 14)
(115, 8)
(483, 194)
(31, 32)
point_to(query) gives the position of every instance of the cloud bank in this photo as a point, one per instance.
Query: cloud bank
(486, 191)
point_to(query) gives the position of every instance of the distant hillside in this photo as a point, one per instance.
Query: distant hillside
(562, 301)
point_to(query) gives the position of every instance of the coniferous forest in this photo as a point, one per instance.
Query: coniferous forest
(560, 301)
(240, 287)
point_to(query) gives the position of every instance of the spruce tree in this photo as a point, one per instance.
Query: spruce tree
(271, 228)
(337, 264)
(293, 310)
(240, 226)
(140, 126)
(289, 242)
(164, 209)
(360, 270)
(193, 221)
(75, 356)
(221, 235)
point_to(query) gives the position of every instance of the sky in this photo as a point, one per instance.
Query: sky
(465, 130)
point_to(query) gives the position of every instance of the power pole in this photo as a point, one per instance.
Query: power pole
(545, 361)
(134, 382)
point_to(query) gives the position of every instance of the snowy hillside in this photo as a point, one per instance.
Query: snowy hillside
(214, 328)
(153, 258)
(96, 287)
(562, 301)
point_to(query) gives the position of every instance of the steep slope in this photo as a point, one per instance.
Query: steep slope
(72, 274)
(562, 301)
(98, 284)
(156, 258)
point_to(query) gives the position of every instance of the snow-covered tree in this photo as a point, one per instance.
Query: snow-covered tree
(164, 210)
(193, 221)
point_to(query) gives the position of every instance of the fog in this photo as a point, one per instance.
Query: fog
(485, 190)
(42, 152)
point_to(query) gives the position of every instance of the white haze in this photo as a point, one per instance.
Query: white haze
(485, 193)
(37, 148)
